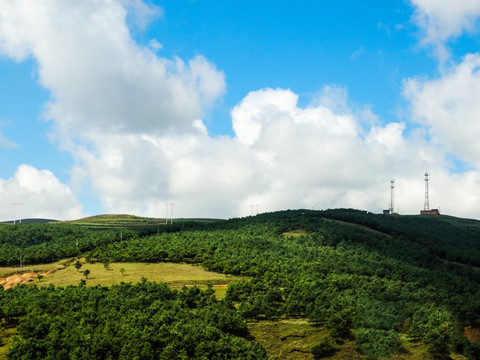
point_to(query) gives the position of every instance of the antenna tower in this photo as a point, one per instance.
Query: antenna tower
(392, 187)
(426, 207)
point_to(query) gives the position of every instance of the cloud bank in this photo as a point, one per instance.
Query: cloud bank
(132, 121)
(442, 20)
(41, 193)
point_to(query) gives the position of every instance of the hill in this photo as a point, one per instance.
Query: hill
(357, 283)
(107, 221)
(29, 221)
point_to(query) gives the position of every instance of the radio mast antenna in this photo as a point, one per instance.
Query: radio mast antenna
(426, 206)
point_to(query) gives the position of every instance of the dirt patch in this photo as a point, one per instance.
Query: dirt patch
(23, 278)
(472, 334)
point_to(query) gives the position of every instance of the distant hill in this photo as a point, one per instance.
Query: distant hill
(30, 221)
(128, 221)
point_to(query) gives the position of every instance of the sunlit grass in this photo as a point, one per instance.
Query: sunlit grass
(295, 233)
(291, 339)
(175, 275)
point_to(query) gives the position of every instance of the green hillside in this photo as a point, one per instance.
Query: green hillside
(341, 283)
(102, 222)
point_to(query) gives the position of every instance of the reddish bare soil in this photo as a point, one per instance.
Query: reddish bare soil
(25, 278)
(473, 334)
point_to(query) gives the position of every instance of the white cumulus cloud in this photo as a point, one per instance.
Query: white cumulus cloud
(132, 121)
(449, 108)
(42, 195)
(442, 20)
(98, 76)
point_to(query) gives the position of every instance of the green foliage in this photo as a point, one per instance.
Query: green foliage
(78, 265)
(44, 243)
(143, 321)
(377, 343)
(106, 264)
(433, 326)
(322, 349)
(376, 275)
(339, 325)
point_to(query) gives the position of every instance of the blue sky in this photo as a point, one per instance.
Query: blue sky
(368, 48)
(124, 106)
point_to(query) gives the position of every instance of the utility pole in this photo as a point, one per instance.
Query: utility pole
(167, 206)
(392, 187)
(21, 211)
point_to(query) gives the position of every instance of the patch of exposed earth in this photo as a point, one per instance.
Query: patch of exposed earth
(24, 278)
(472, 333)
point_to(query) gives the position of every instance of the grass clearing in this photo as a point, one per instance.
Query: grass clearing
(416, 350)
(290, 339)
(175, 275)
(295, 233)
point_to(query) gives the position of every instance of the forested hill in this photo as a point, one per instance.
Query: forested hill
(380, 280)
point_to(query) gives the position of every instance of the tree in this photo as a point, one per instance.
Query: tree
(106, 264)
(39, 277)
(78, 265)
(86, 273)
(122, 270)
(323, 348)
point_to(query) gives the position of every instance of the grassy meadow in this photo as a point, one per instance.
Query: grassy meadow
(175, 275)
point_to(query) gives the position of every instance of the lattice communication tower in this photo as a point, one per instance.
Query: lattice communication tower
(426, 206)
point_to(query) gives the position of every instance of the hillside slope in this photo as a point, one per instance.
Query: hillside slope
(373, 281)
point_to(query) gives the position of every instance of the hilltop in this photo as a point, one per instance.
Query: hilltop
(29, 221)
(130, 221)
(342, 282)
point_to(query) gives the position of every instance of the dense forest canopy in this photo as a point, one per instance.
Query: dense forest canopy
(370, 277)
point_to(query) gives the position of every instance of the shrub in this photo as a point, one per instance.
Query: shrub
(323, 348)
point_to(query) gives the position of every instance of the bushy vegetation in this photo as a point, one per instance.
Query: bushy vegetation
(142, 321)
(322, 349)
(374, 280)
